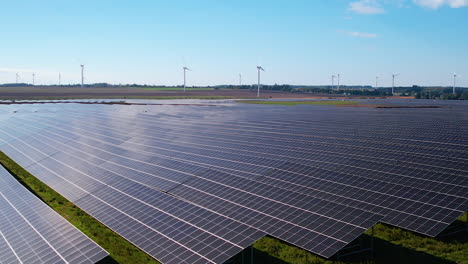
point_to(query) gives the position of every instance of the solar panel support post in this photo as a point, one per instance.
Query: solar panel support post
(243, 257)
(372, 243)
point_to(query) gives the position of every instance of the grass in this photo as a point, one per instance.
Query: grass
(297, 102)
(120, 250)
(392, 245)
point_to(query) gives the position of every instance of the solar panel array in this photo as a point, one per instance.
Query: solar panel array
(31, 232)
(199, 184)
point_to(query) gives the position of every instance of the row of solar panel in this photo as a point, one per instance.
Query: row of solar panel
(457, 189)
(223, 171)
(311, 143)
(434, 173)
(236, 205)
(31, 232)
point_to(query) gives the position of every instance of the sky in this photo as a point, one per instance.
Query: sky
(300, 42)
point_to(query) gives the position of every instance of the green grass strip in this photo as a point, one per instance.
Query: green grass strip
(297, 102)
(120, 250)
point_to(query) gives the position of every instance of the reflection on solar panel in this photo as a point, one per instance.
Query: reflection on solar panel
(31, 232)
(199, 184)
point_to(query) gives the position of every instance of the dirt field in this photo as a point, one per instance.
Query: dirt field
(21, 93)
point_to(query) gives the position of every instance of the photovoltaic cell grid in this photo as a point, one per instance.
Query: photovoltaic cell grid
(298, 218)
(31, 232)
(314, 181)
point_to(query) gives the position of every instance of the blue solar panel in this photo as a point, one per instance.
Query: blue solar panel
(314, 180)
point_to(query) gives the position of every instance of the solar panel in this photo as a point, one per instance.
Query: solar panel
(31, 232)
(440, 216)
(359, 220)
(167, 223)
(316, 181)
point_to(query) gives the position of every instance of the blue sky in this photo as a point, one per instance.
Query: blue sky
(296, 41)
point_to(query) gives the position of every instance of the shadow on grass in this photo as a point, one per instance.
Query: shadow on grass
(385, 252)
(456, 233)
(107, 260)
(259, 257)
(389, 253)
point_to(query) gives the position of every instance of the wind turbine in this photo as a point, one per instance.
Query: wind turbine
(333, 81)
(60, 79)
(338, 86)
(82, 75)
(33, 75)
(454, 82)
(259, 68)
(240, 80)
(185, 69)
(17, 77)
(376, 82)
(393, 82)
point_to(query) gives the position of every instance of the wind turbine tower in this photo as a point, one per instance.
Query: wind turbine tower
(33, 81)
(376, 82)
(393, 82)
(82, 75)
(185, 69)
(333, 81)
(240, 80)
(454, 83)
(338, 86)
(60, 79)
(259, 68)
(17, 77)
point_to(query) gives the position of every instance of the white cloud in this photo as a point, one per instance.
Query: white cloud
(358, 34)
(361, 34)
(434, 4)
(366, 7)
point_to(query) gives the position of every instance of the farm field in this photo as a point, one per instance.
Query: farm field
(59, 93)
(176, 89)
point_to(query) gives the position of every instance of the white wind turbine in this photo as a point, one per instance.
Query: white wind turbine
(185, 69)
(333, 81)
(393, 82)
(17, 77)
(454, 82)
(259, 68)
(82, 75)
(33, 78)
(338, 86)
